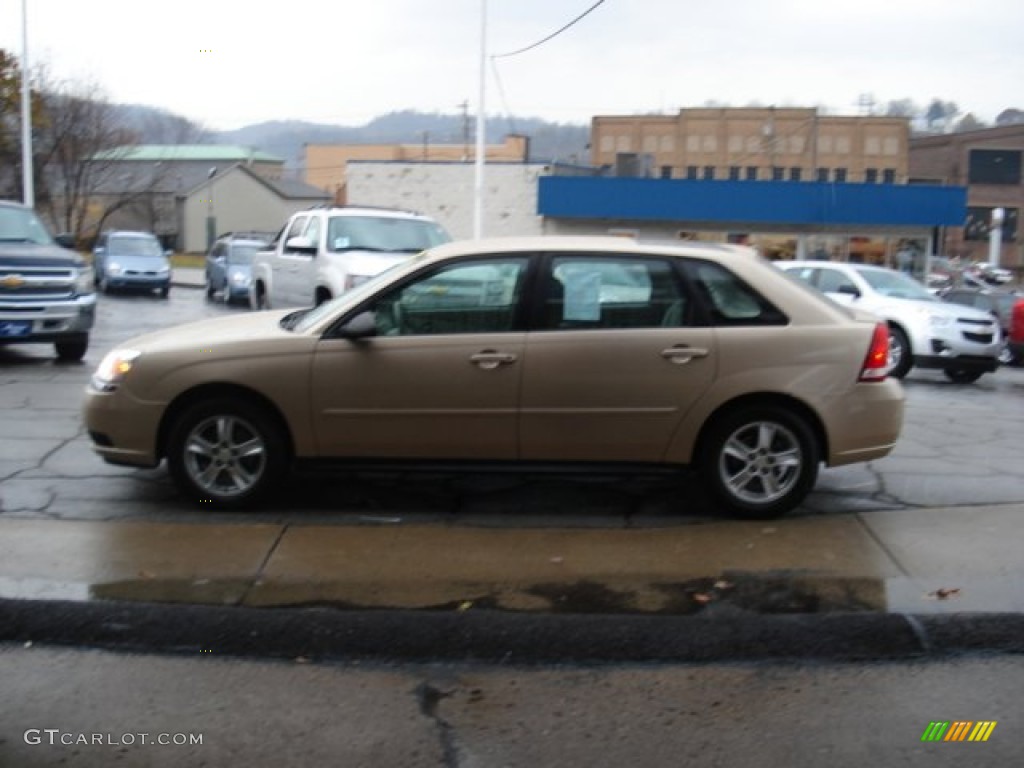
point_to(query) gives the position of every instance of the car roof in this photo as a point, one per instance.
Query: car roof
(596, 245)
(368, 210)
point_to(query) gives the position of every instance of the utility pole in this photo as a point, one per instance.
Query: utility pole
(478, 186)
(27, 183)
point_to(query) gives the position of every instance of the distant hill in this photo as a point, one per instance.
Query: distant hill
(563, 142)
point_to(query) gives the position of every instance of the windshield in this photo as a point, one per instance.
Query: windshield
(242, 254)
(383, 233)
(313, 316)
(895, 285)
(134, 246)
(20, 225)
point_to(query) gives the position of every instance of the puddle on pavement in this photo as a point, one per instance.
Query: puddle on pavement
(731, 592)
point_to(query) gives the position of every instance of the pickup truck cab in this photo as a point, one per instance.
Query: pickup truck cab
(46, 290)
(323, 252)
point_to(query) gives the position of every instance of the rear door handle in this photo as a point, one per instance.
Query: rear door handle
(489, 359)
(682, 354)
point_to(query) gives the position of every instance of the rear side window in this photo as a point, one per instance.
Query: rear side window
(729, 301)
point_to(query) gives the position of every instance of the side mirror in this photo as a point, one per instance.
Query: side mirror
(99, 250)
(168, 253)
(302, 244)
(362, 326)
(849, 290)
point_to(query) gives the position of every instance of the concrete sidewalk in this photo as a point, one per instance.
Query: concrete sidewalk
(188, 277)
(902, 561)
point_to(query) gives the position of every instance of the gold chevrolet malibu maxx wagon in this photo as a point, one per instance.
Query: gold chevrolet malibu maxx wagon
(593, 351)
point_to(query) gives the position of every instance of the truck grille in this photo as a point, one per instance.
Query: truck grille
(18, 284)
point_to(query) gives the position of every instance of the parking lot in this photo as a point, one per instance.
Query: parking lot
(960, 446)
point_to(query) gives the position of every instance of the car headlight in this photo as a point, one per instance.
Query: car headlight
(240, 278)
(163, 271)
(939, 321)
(114, 268)
(113, 369)
(83, 282)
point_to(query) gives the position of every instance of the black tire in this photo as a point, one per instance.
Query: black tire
(322, 295)
(962, 375)
(72, 350)
(759, 462)
(258, 299)
(165, 291)
(226, 453)
(900, 353)
(210, 290)
(104, 284)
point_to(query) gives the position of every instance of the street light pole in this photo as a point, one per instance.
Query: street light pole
(478, 186)
(28, 188)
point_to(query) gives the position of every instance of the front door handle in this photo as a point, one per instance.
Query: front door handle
(681, 354)
(490, 359)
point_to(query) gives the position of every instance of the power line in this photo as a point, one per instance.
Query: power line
(552, 35)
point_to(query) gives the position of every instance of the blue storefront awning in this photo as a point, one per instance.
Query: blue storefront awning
(769, 203)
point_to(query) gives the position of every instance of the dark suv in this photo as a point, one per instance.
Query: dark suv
(131, 260)
(46, 291)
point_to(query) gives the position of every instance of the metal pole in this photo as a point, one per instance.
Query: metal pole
(478, 186)
(995, 236)
(28, 187)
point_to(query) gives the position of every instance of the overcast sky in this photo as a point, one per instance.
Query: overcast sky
(228, 63)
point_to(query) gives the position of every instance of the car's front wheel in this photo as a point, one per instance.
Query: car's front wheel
(226, 452)
(759, 461)
(72, 350)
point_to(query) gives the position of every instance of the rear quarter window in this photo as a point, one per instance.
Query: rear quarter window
(728, 300)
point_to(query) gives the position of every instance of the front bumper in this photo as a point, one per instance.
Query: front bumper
(138, 282)
(40, 321)
(123, 429)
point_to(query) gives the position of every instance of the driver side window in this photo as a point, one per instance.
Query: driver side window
(470, 297)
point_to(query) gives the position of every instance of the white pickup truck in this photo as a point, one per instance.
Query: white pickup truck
(323, 252)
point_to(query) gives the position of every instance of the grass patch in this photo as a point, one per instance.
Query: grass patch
(188, 260)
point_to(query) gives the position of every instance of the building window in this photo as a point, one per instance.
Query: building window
(693, 143)
(891, 146)
(889, 176)
(668, 144)
(994, 166)
(794, 174)
(691, 171)
(822, 174)
(840, 174)
(778, 173)
(751, 173)
(979, 223)
(872, 145)
(709, 172)
(734, 173)
(666, 171)
(842, 145)
(871, 176)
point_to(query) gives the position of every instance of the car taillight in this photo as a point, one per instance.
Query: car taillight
(876, 363)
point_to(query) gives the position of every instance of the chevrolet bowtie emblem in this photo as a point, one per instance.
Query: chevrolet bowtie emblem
(12, 281)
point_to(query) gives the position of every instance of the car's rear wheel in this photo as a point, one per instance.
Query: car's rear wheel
(258, 299)
(962, 375)
(226, 452)
(759, 461)
(900, 354)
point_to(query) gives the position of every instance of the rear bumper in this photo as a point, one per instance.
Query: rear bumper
(962, 362)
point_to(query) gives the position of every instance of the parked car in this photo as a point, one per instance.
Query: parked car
(46, 293)
(924, 331)
(509, 350)
(323, 252)
(229, 267)
(981, 275)
(131, 261)
(1000, 304)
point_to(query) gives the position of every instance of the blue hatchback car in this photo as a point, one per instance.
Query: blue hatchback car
(229, 266)
(131, 261)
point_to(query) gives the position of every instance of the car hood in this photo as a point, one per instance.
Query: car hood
(939, 308)
(370, 263)
(143, 263)
(33, 255)
(215, 336)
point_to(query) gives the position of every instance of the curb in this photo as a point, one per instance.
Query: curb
(499, 637)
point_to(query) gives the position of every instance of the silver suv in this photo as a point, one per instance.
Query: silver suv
(323, 252)
(923, 331)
